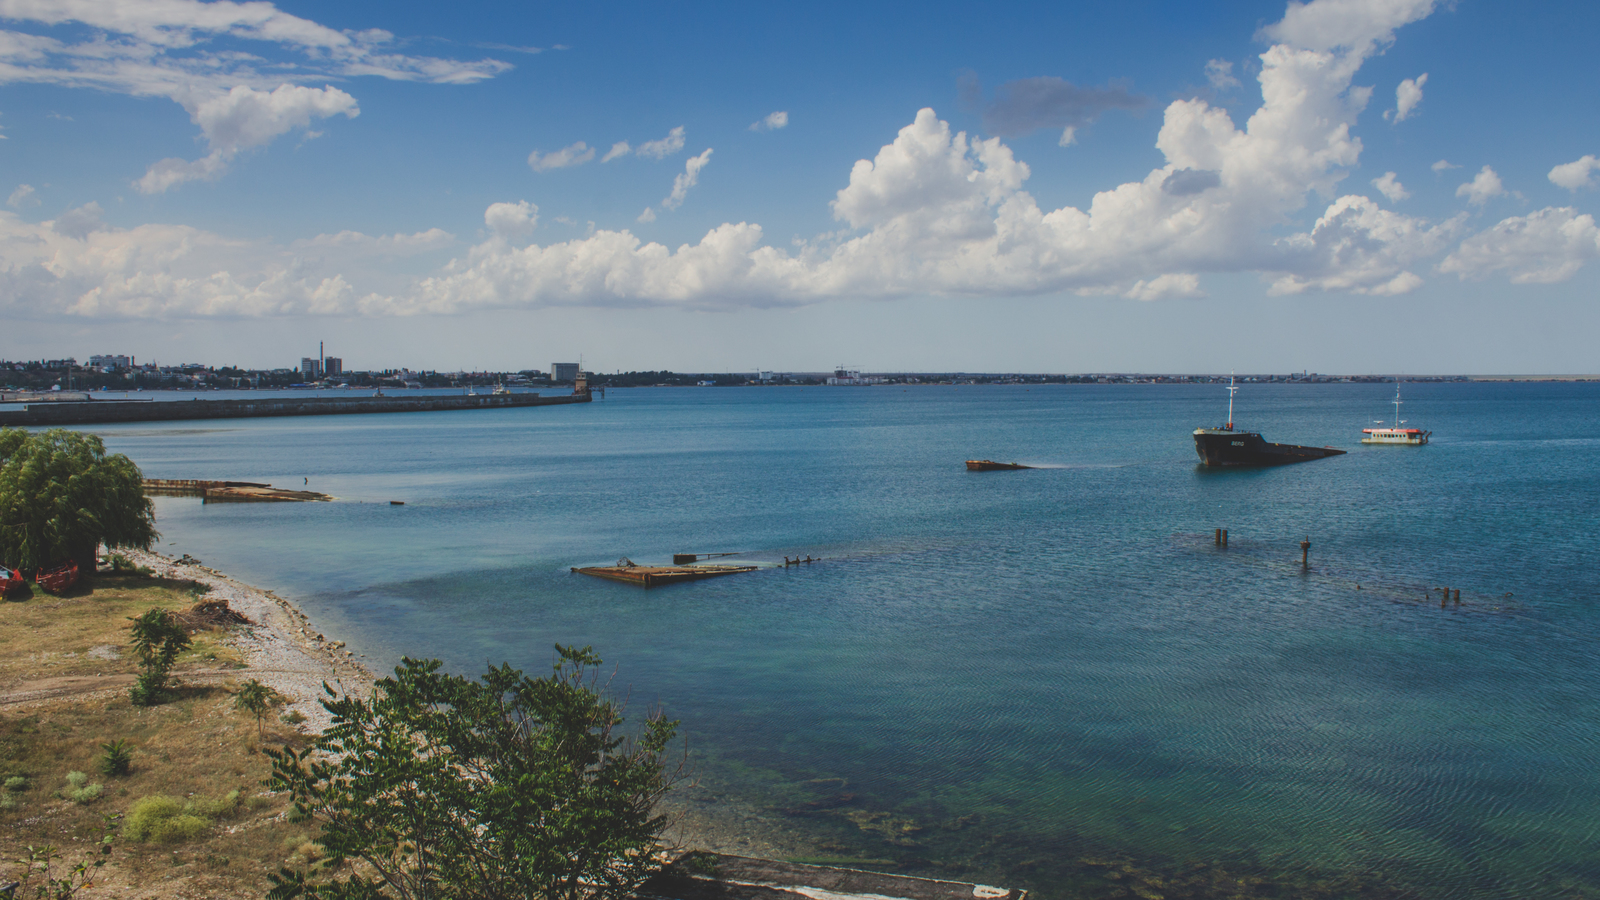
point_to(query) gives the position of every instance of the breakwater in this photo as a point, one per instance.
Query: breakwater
(97, 412)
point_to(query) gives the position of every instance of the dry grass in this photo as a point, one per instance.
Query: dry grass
(197, 749)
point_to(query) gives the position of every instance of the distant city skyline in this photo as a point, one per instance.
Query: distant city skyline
(1358, 186)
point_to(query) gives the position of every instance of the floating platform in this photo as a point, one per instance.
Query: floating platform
(653, 576)
(98, 412)
(716, 876)
(989, 465)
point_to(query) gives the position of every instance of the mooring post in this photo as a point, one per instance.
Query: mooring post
(1219, 537)
(1458, 595)
(1305, 552)
(1224, 538)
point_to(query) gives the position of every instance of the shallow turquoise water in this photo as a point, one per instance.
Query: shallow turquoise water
(1046, 678)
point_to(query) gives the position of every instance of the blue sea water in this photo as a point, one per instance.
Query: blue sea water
(1048, 678)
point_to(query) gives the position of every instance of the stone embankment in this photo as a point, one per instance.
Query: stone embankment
(98, 412)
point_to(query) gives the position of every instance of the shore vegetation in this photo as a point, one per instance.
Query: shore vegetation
(506, 786)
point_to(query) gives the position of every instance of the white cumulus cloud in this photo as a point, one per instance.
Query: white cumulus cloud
(688, 178)
(1541, 248)
(1406, 97)
(1389, 185)
(646, 217)
(1220, 73)
(241, 119)
(617, 151)
(1442, 166)
(574, 155)
(23, 196)
(1575, 174)
(508, 220)
(772, 122)
(664, 147)
(1482, 188)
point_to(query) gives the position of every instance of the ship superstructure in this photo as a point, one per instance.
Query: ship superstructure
(1414, 437)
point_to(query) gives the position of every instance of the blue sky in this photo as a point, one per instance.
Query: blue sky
(1038, 187)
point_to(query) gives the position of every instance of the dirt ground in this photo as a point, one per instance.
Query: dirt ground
(65, 669)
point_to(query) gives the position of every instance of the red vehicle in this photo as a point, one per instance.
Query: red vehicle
(11, 583)
(59, 578)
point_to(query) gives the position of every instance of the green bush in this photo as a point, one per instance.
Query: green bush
(17, 783)
(121, 565)
(216, 809)
(294, 717)
(79, 790)
(117, 758)
(164, 820)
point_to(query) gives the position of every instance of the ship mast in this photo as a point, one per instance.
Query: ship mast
(1397, 406)
(1231, 391)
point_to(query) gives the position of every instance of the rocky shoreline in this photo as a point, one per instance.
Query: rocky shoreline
(280, 645)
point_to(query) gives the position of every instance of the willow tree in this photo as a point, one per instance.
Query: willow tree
(62, 495)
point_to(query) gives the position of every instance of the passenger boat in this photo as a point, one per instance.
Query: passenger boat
(1222, 446)
(1414, 437)
(59, 578)
(989, 465)
(11, 583)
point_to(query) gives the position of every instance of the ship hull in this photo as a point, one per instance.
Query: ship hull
(1217, 447)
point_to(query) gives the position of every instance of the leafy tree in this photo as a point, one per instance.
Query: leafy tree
(157, 641)
(61, 497)
(509, 786)
(254, 698)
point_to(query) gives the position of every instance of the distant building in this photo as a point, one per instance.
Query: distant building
(842, 375)
(332, 365)
(111, 362)
(763, 376)
(310, 368)
(563, 371)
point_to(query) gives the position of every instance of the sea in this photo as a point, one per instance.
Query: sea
(1052, 679)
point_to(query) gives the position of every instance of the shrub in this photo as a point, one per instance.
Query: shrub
(164, 820)
(254, 698)
(157, 639)
(294, 717)
(79, 790)
(216, 809)
(509, 786)
(17, 783)
(121, 565)
(117, 758)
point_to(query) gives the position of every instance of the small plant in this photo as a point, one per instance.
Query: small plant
(79, 790)
(157, 641)
(294, 717)
(164, 820)
(17, 783)
(254, 698)
(121, 565)
(41, 878)
(116, 758)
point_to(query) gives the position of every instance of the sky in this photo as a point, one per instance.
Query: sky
(1343, 186)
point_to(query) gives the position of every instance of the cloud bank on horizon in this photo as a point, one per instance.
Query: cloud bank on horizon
(935, 212)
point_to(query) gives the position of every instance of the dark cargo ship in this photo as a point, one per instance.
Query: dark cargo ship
(1225, 447)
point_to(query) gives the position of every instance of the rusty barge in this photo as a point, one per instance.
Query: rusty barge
(629, 572)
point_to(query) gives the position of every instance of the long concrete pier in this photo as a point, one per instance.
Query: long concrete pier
(98, 412)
